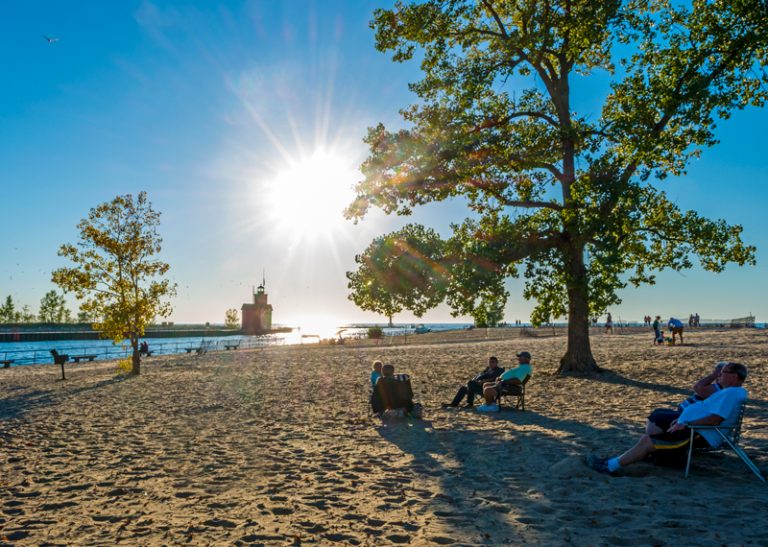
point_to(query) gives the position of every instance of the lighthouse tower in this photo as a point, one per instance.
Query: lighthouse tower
(257, 317)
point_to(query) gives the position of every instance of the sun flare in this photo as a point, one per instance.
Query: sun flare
(307, 198)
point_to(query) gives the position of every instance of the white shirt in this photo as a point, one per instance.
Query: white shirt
(724, 403)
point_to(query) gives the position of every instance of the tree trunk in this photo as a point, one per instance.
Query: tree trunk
(578, 357)
(136, 358)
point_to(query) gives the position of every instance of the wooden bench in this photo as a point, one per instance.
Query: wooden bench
(202, 348)
(77, 358)
(6, 362)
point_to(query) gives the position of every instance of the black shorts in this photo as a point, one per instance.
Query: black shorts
(672, 448)
(663, 417)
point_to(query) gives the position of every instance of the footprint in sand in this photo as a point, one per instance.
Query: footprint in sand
(338, 537)
(220, 523)
(75, 487)
(57, 506)
(440, 540)
(312, 527)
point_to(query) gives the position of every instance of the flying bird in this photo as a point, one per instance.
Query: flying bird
(50, 39)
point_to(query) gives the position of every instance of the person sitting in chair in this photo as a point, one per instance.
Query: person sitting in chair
(376, 372)
(514, 376)
(475, 385)
(720, 408)
(392, 392)
(661, 418)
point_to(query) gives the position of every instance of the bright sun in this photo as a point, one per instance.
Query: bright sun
(307, 199)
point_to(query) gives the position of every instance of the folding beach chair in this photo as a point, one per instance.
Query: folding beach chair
(730, 436)
(392, 393)
(516, 391)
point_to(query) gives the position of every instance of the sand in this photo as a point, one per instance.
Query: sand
(277, 447)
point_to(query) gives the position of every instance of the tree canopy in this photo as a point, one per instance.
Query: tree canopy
(399, 271)
(570, 200)
(231, 318)
(53, 309)
(116, 273)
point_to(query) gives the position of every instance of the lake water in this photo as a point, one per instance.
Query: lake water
(25, 353)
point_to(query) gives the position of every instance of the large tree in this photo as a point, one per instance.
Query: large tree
(569, 199)
(116, 273)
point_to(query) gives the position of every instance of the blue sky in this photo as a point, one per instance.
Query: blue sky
(205, 105)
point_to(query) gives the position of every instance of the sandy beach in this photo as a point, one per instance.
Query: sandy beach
(278, 447)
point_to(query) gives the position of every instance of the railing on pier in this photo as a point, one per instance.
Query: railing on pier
(105, 351)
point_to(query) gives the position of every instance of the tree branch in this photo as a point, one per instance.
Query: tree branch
(499, 23)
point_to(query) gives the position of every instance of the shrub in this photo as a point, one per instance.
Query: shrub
(124, 366)
(375, 333)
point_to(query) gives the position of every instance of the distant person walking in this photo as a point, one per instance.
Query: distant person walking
(676, 326)
(609, 324)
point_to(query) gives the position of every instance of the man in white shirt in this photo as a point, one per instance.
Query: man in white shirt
(720, 408)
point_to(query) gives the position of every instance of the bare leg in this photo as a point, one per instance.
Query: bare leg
(652, 429)
(642, 448)
(490, 394)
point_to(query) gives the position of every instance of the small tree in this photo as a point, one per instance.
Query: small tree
(84, 317)
(231, 318)
(490, 314)
(26, 315)
(53, 308)
(8, 313)
(399, 271)
(115, 273)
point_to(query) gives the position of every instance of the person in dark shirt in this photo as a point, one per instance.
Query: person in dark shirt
(475, 385)
(392, 392)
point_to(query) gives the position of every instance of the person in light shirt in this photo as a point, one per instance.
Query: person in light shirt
(515, 375)
(676, 326)
(720, 408)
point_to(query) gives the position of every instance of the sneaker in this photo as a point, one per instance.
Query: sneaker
(598, 464)
(488, 408)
